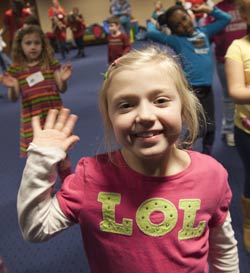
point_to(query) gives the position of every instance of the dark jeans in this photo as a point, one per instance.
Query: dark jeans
(206, 98)
(63, 49)
(79, 42)
(242, 142)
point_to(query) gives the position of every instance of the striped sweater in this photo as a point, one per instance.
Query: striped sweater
(36, 99)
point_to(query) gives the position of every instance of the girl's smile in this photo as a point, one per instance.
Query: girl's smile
(181, 23)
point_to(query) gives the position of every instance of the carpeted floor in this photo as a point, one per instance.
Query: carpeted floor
(64, 253)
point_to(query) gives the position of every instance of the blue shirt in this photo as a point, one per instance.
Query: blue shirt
(194, 50)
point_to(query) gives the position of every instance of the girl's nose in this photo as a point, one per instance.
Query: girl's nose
(145, 114)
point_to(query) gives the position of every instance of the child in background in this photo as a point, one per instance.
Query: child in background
(14, 18)
(4, 59)
(192, 45)
(77, 26)
(237, 66)
(58, 16)
(158, 10)
(235, 30)
(122, 10)
(148, 205)
(118, 42)
(32, 20)
(37, 78)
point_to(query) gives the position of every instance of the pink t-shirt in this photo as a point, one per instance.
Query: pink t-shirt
(136, 223)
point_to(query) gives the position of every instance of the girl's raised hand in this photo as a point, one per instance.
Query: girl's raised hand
(66, 71)
(8, 81)
(204, 8)
(57, 131)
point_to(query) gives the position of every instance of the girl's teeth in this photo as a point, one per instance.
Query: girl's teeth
(146, 135)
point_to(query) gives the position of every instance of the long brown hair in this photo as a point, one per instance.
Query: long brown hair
(17, 54)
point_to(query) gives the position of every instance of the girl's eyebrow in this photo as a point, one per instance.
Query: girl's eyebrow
(124, 97)
(157, 91)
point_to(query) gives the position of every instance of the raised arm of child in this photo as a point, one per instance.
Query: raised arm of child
(12, 84)
(39, 214)
(62, 75)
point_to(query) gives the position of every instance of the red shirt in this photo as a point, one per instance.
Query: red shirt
(236, 29)
(13, 23)
(59, 15)
(117, 46)
(52, 11)
(77, 28)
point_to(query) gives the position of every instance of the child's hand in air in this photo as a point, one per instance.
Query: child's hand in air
(203, 8)
(57, 130)
(8, 81)
(66, 71)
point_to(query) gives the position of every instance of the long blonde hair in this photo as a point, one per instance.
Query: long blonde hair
(192, 111)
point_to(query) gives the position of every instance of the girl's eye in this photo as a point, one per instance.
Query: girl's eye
(124, 105)
(161, 101)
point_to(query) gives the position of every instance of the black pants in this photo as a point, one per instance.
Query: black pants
(2, 63)
(79, 43)
(205, 95)
(242, 142)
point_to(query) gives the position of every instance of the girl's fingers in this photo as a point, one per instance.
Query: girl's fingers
(57, 119)
(70, 125)
(35, 122)
(69, 143)
(51, 119)
(62, 119)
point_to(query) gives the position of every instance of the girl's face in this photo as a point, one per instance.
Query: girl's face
(32, 46)
(181, 23)
(145, 111)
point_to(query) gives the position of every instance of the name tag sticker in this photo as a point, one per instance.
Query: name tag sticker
(35, 78)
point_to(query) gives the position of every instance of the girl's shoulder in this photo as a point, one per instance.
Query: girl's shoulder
(239, 50)
(54, 64)
(16, 66)
(16, 69)
(202, 161)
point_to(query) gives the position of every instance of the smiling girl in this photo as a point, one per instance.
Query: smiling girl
(147, 206)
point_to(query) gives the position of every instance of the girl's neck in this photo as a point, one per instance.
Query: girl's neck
(32, 63)
(173, 162)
